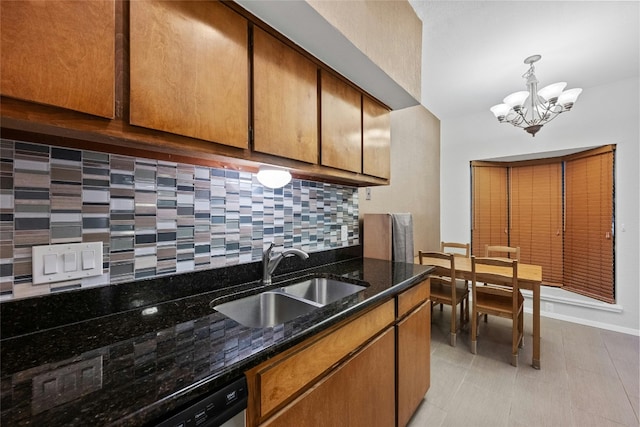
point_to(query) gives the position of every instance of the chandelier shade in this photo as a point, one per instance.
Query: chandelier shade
(500, 110)
(568, 97)
(552, 91)
(516, 99)
(531, 109)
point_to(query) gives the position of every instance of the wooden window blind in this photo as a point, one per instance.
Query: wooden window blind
(536, 217)
(489, 207)
(559, 211)
(588, 236)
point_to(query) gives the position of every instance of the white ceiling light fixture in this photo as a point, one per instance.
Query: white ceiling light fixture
(273, 177)
(533, 108)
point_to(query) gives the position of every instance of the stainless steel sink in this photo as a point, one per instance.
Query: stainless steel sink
(322, 290)
(283, 304)
(265, 309)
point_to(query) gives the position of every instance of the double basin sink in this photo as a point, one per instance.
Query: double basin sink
(285, 303)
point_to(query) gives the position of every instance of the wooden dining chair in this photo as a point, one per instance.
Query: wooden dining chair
(510, 251)
(458, 249)
(503, 301)
(445, 289)
(505, 252)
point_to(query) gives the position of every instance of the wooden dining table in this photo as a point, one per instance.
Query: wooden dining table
(529, 277)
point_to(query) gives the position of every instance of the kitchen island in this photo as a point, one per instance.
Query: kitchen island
(134, 363)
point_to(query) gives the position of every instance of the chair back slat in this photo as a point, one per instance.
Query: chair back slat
(511, 252)
(456, 248)
(449, 270)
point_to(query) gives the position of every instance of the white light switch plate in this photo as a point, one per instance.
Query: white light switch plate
(74, 261)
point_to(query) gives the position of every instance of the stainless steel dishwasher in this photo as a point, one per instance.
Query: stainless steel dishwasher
(225, 407)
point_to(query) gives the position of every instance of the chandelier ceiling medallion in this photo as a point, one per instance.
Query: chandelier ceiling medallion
(531, 109)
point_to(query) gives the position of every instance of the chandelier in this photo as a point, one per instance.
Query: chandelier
(531, 109)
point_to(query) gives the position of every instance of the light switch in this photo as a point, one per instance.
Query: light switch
(67, 261)
(70, 263)
(50, 264)
(88, 259)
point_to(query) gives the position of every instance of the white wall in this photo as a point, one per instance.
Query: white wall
(608, 114)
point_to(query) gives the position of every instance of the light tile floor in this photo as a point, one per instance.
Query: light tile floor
(589, 377)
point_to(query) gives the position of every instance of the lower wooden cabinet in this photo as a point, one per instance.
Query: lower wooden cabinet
(372, 370)
(359, 393)
(283, 378)
(413, 358)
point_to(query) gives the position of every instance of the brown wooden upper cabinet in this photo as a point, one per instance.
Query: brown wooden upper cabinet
(59, 53)
(285, 100)
(189, 70)
(341, 136)
(376, 139)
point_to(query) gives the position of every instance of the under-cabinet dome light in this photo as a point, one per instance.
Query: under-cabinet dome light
(273, 177)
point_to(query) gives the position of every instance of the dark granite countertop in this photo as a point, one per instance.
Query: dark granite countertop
(135, 363)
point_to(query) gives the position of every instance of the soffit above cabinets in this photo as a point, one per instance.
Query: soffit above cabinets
(303, 25)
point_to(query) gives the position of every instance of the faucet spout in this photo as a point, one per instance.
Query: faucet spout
(270, 263)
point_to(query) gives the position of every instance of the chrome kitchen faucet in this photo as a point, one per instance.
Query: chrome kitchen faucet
(269, 264)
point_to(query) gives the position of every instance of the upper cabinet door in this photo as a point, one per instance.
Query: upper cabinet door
(189, 70)
(376, 139)
(285, 93)
(341, 124)
(59, 53)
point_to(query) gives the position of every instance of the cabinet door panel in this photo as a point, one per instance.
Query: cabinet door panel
(341, 125)
(414, 363)
(60, 53)
(376, 139)
(189, 70)
(358, 393)
(285, 100)
(282, 380)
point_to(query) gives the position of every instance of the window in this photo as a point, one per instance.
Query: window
(588, 236)
(536, 217)
(559, 211)
(489, 207)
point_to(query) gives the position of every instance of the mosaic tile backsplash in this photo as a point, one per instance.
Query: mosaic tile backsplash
(153, 217)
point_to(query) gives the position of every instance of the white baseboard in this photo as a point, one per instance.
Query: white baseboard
(583, 303)
(580, 321)
(591, 305)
